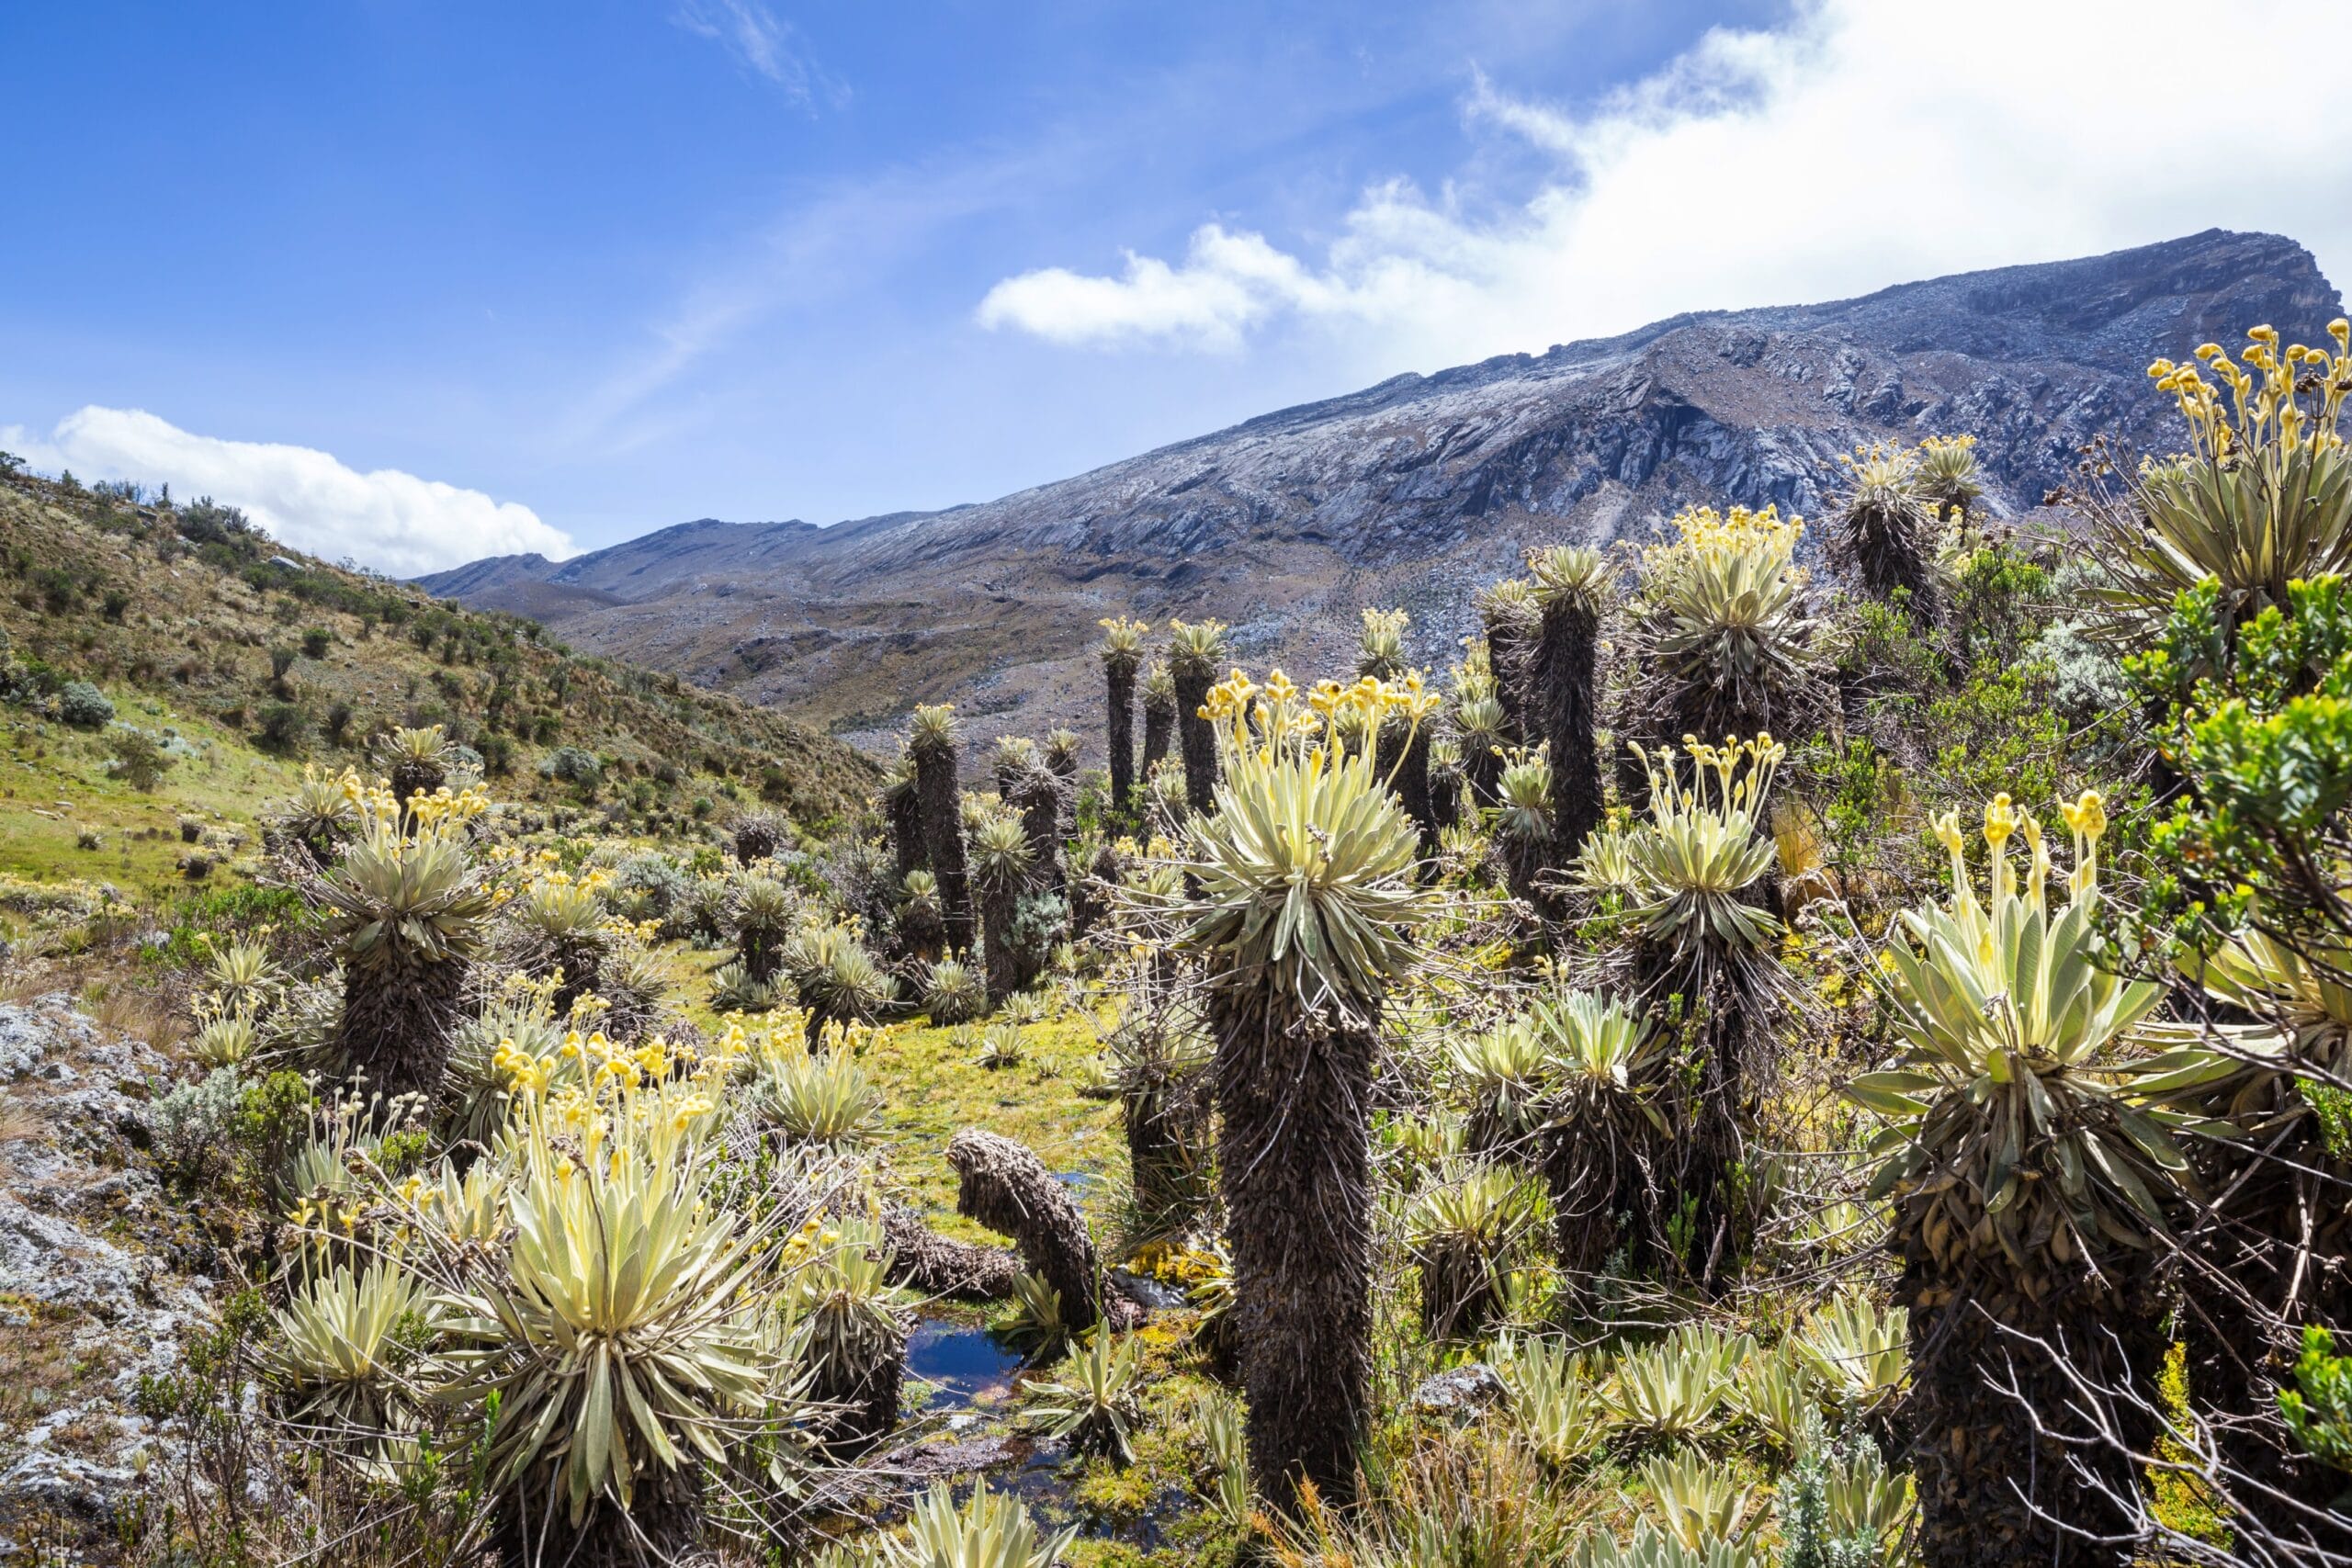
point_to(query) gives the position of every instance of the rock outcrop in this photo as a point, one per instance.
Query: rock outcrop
(102, 1274)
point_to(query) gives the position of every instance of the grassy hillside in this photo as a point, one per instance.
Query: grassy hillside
(244, 662)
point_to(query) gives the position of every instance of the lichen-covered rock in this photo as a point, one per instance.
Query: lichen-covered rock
(1460, 1392)
(90, 1301)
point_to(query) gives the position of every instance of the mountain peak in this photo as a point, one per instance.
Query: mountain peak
(1409, 491)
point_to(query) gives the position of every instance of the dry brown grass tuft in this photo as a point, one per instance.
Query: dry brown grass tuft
(18, 1119)
(120, 1008)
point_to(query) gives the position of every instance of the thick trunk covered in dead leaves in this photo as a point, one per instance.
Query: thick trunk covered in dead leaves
(864, 1394)
(999, 905)
(661, 1526)
(1293, 1163)
(902, 808)
(397, 1020)
(1159, 731)
(1564, 695)
(1406, 769)
(923, 1259)
(1009, 1190)
(1121, 681)
(942, 839)
(1981, 1354)
(1197, 737)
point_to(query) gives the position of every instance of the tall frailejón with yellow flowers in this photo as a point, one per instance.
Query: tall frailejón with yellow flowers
(1883, 529)
(1196, 649)
(1122, 662)
(1302, 921)
(1725, 643)
(2261, 497)
(1705, 958)
(409, 904)
(2030, 1192)
(1564, 687)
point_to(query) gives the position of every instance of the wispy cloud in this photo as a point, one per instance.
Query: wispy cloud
(828, 245)
(762, 43)
(303, 497)
(1858, 145)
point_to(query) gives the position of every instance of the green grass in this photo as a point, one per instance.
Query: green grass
(933, 1091)
(225, 784)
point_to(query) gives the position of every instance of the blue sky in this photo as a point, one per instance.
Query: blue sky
(423, 280)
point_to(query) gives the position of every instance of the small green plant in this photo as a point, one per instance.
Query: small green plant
(1555, 1401)
(1036, 1316)
(734, 990)
(1000, 1047)
(1095, 1406)
(826, 1099)
(2318, 1409)
(342, 1342)
(1220, 1423)
(992, 1530)
(224, 1040)
(1861, 1353)
(1672, 1390)
(954, 993)
(1693, 1498)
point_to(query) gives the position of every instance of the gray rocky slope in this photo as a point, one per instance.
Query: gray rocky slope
(103, 1274)
(1413, 492)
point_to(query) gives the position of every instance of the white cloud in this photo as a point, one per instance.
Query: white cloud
(386, 519)
(762, 43)
(1862, 144)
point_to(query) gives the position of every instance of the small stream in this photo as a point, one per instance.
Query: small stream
(968, 1377)
(966, 1365)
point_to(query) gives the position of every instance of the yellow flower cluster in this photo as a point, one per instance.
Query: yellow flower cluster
(606, 1093)
(1881, 463)
(2292, 396)
(1702, 534)
(2086, 819)
(441, 815)
(1737, 794)
(1273, 717)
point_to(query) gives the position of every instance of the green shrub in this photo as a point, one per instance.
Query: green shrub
(83, 705)
(573, 765)
(195, 1126)
(281, 728)
(2318, 1409)
(137, 759)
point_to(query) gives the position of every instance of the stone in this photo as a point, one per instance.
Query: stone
(1460, 1392)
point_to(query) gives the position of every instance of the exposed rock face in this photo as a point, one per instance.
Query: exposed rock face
(1413, 492)
(99, 1272)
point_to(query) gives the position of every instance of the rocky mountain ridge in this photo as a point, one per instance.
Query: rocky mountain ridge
(1412, 491)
